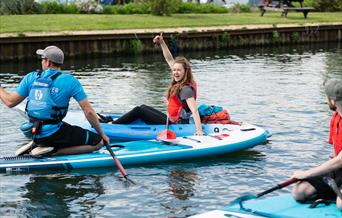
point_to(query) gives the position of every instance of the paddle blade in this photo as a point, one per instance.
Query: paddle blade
(118, 164)
(166, 134)
(249, 197)
(242, 199)
(170, 135)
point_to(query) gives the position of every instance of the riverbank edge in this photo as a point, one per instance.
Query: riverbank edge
(16, 46)
(158, 30)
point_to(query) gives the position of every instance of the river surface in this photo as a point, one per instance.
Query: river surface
(277, 88)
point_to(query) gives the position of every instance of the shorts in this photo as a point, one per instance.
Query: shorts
(183, 121)
(68, 136)
(323, 189)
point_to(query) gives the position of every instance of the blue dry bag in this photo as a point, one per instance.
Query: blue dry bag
(207, 110)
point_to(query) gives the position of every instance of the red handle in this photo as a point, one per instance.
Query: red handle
(120, 167)
(117, 161)
(288, 182)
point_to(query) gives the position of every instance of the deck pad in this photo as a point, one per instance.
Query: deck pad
(285, 206)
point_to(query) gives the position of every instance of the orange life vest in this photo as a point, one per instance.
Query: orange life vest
(175, 105)
(335, 136)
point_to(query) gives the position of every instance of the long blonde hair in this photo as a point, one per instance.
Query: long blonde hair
(174, 86)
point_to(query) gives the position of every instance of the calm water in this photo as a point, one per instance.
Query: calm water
(279, 89)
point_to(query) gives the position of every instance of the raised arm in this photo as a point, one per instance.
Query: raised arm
(166, 52)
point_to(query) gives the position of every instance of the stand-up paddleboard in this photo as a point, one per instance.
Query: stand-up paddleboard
(137, 130)
(147, 151)
(282, 206)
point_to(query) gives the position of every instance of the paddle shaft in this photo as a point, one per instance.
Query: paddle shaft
(166, 134)
(167, 123)
(279, 186)
(117, 162)
(240, 200)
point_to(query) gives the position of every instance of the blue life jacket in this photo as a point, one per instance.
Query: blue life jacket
(41, 105)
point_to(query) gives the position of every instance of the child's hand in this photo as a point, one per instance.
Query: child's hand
(158, 39)
(199, 132)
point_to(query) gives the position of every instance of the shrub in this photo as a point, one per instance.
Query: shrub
(308, 3)
(295, 36)
(71, 9)
(54, 7)
(156, 7)
(137, 8)
(89, 6)
(162, 7)
(240, 8)
(275, 36)
(176, 6)
(130, 8)
(189, 7)
(225, 38)
(328, 5)
(109, 9)
(19, 7)
(135, 46)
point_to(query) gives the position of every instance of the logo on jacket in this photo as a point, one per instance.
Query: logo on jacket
(38, 95)
(54, 90)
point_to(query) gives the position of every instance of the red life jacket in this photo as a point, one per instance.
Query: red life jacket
(335, 136)
(175, 105)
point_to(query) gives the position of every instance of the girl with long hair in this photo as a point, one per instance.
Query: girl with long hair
(180, 96)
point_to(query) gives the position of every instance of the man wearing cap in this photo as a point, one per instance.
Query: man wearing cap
(48, 93)
(325, 181)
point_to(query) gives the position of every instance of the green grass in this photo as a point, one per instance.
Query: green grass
(62, 22)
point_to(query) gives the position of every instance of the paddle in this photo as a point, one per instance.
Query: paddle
(118, 164)
(248, 197)
(166, 134)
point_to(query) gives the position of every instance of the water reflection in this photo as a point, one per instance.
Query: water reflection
(182, 187)
(62, 196)
(182, 183)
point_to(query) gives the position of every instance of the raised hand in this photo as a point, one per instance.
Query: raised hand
(158, 39)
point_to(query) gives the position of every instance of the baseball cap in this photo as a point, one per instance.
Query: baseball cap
(53, 53)
(333, 89)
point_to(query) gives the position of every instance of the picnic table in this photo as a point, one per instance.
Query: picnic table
(284, 6)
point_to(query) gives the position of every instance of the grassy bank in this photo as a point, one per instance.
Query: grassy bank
(56, 23)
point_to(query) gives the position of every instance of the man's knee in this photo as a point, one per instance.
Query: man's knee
(303, 191)
(297, 193)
